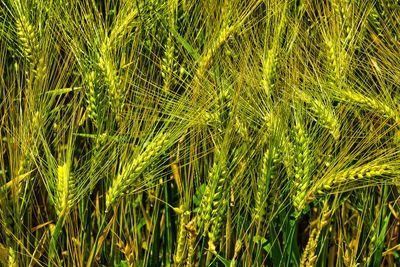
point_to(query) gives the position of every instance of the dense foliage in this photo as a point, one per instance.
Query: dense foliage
(199, 133)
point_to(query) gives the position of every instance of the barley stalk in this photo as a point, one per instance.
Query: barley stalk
(374, 17)
(341, 12)
(30, 49)
(334, 61)
(241, 128)
(65, 192)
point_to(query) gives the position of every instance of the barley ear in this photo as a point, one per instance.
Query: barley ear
(179, 257)
(302, 166)
(65, 188)
(128, 176)
(91, 97)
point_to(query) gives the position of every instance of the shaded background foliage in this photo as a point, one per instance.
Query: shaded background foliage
(199, 133)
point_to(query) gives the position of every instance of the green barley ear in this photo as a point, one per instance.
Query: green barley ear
(342, 15)
(364, 172)
(269, 71)
(64, 188)
(225, 31)
(192, 234)
(27, 38)
(12, 259)
(217, 222)
(180, 253)
(207, 58)
(268, 173)
(213, 194)
(91, 97)
(213, 204)
(206, 200)
(326, 118)
(63, 198)
(167, 63)
(375, 18)
(372, 104)
(129, 174)
(308, 257)
(30, 49)
(214, 115)
(111, 79)
(302, 168)
(242, 129)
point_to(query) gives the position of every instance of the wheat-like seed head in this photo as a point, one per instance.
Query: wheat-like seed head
(182, 237)
(269, 71)
(366, 171)
(363, 172)
(30, 49)
(372, 104)
(12, 260)
(64, 188)
(326, 118)
(341, 14)
(207, 199)
(127, 178)
(167, 64)
(217, 221)
(91, 97)
(241, 128)
(207, 58)
(332, 59)
(27, 37)
(301, 167)
(211, 198)
(111, 79)
(268, 165)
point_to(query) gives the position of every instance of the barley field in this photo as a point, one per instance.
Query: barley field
(200, 133)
